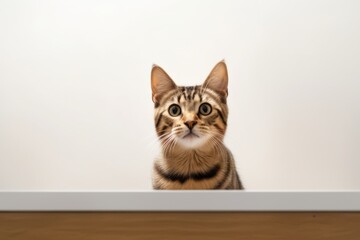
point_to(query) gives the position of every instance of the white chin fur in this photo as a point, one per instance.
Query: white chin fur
(192, 142)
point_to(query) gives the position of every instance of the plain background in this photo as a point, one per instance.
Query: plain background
(75, 98)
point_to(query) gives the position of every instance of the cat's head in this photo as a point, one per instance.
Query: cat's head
(190, 117)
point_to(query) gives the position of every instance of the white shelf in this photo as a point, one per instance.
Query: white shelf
(179, 201)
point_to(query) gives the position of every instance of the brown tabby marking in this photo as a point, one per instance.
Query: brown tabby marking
(190, 123)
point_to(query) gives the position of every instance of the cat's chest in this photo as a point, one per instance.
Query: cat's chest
(189, 176)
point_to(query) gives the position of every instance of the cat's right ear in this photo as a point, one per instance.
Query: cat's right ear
(161, 83)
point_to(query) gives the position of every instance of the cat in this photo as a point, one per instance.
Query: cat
(190, 123)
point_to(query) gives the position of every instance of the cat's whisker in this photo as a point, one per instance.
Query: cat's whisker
(172, 145)
(167, 141)
(151, 143)
(163, 136)
(156, 139)
(216, 141)
(168, 148)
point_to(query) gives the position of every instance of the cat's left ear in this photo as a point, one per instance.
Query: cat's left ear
(161, 83)
(218, 79)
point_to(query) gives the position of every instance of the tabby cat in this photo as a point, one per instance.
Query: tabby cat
(190, 123)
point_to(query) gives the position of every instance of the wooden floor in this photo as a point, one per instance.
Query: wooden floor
(179, 225)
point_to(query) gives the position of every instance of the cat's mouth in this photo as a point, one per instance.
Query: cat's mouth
(192, 140)
(190, 135)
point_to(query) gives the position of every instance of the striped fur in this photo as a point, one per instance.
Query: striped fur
(193, 155)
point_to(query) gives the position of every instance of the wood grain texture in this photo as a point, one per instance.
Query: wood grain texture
(178, 225)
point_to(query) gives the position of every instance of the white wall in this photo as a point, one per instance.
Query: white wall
(75, 99)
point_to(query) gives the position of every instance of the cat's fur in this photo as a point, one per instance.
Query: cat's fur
(193, 155)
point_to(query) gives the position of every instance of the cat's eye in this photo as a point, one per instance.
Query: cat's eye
(205, 109)
(174, 110)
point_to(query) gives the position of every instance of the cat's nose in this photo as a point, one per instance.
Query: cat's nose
(190, 124)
